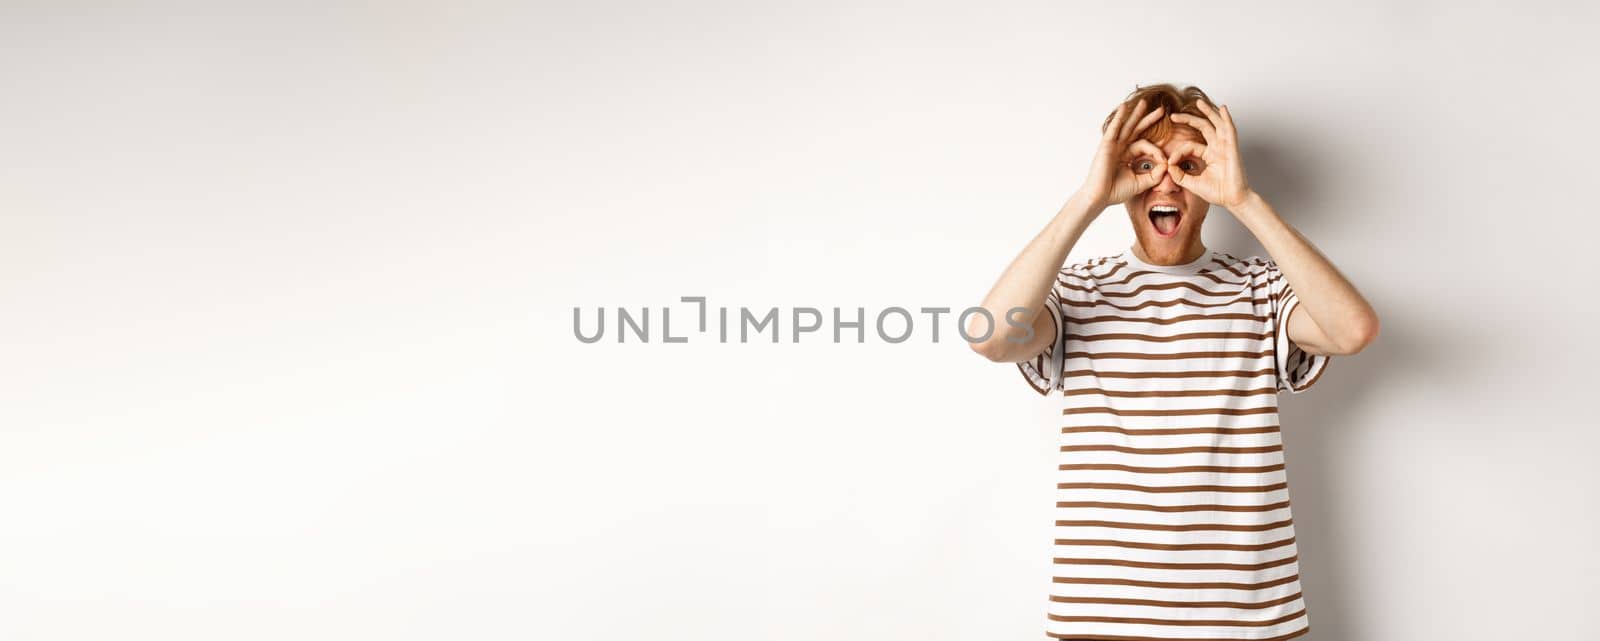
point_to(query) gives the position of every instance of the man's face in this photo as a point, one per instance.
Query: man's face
(1169, 238)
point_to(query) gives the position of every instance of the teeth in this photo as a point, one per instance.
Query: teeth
(1164, 209)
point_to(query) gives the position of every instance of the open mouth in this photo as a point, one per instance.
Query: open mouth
(1165, 219)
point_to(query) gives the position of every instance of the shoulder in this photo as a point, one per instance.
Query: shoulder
(1254, 266)
(1092, 268)
(1081, 279)
(1260, 270)
(1242, 263)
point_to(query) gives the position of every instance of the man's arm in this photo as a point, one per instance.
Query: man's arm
(1332, 317)
(1026, 283)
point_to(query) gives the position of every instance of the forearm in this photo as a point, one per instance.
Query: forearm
(1332, 302)
(1027, 281)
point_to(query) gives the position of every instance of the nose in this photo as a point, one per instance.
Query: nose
(1167, 184)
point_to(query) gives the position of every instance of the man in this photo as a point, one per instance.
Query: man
(1173, 516)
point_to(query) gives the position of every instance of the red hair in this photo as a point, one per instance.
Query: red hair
(1174, 99)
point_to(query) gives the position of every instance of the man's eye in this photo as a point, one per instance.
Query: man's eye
(1192, 167)
(1144, 165)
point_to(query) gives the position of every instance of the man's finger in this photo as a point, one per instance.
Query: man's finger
(1210, 112)
(1133, 119)
(1148, 120)
(1111, 129)
(1187, 149)
(1206, 130)
(1175, 160)
(1144, 148)
(1227, 118)
(1147, 148)
(1141, 149)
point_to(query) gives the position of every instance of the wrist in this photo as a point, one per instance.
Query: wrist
(1084, 202)
(1255, 214)
(1250, 204)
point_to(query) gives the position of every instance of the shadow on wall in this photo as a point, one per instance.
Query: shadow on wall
(1315, 421)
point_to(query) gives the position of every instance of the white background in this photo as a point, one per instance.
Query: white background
(287, 347)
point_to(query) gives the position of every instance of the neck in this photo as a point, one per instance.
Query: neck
(1193, 253)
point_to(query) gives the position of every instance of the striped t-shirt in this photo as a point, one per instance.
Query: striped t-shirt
(1172, 520)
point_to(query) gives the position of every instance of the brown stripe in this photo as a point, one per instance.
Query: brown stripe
(1213, 266)
(1265, 429)
(1318, 375)
(1213, 585)
(1176, 546)
(1170, 303)
(1037, 366)
(1188, 412)
(1186, 527)
(1262, 449)
(1136, 336)
(1244, 373)
(1175, 508)
(1146, 356)
(1250, 275)
(1234, 260)
(1083, 391)
(1100, 287)
(1181, 566)
(1272, 348)
(1210, 267)
(1145, 621)
(1093, 277)
(1102, 261)
(1179, 604)
(1078, 636)
(1164, 489)
(1166, 321)
(1241, 469)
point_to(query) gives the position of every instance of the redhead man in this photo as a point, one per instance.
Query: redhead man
(1172, 513)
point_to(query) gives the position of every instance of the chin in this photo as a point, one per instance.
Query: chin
(1162, 249)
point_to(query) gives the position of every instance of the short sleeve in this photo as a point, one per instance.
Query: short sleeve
(1043, 371)
(1297, 369)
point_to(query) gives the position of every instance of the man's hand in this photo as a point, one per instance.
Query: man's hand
(1221, 180)
(1027, 281)
(1111, 178)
